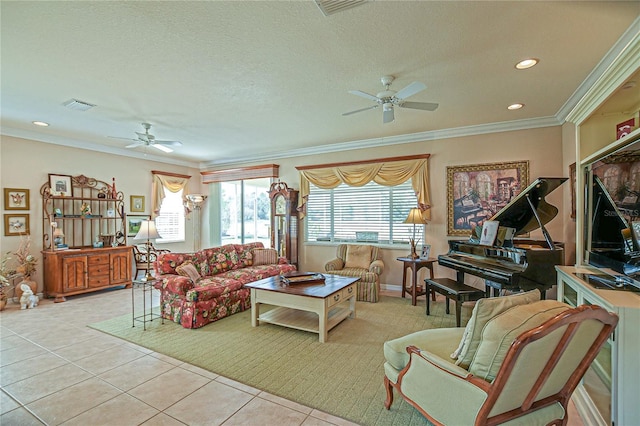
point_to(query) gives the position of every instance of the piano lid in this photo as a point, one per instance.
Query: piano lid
(518, 213)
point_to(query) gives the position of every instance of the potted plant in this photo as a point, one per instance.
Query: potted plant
(6, 273)
(26, 265)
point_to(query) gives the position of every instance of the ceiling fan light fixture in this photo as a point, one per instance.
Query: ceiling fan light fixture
(527, 63)
(387, 106)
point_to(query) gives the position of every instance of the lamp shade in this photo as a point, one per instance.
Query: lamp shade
(415, 217)
(58, 233)
(147, 231)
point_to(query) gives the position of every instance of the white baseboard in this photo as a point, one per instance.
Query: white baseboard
(391, 287)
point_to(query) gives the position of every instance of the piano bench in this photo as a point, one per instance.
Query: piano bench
(451, 289)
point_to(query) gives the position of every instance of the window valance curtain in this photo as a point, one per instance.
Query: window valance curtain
(161, 180)
(387, 172)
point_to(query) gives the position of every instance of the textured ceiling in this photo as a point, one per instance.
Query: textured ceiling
(237, 81)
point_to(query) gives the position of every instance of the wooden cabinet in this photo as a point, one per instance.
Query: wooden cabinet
(77, 271)
(91, 254)
(608, 393)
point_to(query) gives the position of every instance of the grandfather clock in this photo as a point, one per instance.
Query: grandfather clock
(284, 221)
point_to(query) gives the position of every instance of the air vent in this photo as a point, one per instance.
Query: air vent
(77, 105)
(331, 7)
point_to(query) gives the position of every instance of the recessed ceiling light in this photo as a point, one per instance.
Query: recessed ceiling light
(40, 123)
(515, 106)
(526, 63)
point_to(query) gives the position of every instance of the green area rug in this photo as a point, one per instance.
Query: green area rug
(343, 376)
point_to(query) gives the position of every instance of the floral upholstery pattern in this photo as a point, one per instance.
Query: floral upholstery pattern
(220, 292)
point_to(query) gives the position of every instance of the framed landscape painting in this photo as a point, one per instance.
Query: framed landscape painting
(477, 192)
(134, 222)
(16, 199)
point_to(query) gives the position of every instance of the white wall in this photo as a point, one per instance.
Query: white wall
(27, 164)
(541, 147)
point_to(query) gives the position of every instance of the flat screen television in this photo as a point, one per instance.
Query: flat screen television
(612, 215)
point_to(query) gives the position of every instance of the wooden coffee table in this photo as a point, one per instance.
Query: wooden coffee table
(316, 307)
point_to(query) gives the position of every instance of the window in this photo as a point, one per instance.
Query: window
(245, 211)
(170, 222)
(370, 213)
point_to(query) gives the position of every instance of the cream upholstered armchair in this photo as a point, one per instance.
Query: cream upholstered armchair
(517, 367)
(359, 260)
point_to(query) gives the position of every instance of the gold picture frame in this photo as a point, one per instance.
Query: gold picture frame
(16, 199)
(136, 203)
(476, 192)
(16, 224)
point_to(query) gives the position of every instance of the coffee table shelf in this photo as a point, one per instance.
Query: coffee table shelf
(304, 320)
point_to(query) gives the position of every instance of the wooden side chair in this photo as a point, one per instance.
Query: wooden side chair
(528, 362)
(144, 260)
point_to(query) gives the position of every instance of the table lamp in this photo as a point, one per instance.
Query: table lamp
(58, 236)
(414, 217)
(147, 232)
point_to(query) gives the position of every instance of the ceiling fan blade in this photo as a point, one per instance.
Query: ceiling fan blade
(387, 115)
(364, 95)
(427, 106)
(168, 143)
(134, 145)
(161, 147)
(124, 139)
(410, 90)
(360, 110)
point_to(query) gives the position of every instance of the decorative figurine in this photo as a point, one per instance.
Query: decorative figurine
(28, 299)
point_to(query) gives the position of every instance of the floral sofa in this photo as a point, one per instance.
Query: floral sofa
(205, 286)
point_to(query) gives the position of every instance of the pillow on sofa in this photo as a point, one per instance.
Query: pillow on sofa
(501, 331)
(265, 256)
(484, 310)
(358, 256)
(188, 269)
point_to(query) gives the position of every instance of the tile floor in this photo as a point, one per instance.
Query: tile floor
(55, 370)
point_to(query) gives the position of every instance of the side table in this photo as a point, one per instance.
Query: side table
(415, 265)
(147, 286)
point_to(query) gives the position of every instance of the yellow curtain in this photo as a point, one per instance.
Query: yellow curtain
(173, 183)
(389, 173)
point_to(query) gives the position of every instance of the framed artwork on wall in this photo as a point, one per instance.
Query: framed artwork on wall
(134, 222)
(477, 192)
(16, 199)
(136, 203)
(16, 224)
(60, 185)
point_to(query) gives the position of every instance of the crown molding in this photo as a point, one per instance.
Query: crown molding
(505, 126)
(80, 144)
(620, 62)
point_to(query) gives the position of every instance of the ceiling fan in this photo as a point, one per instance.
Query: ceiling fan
(147, 139)
(390, 98)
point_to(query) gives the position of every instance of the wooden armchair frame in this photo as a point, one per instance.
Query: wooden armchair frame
(571, 319)
(141, 260)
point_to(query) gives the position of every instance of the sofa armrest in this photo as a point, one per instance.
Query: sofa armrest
(334, 265)
(176, 284)
(377, 266)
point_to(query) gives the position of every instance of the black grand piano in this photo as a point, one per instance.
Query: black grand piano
(517, 264)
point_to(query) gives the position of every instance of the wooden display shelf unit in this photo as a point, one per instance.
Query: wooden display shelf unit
(90, 215)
